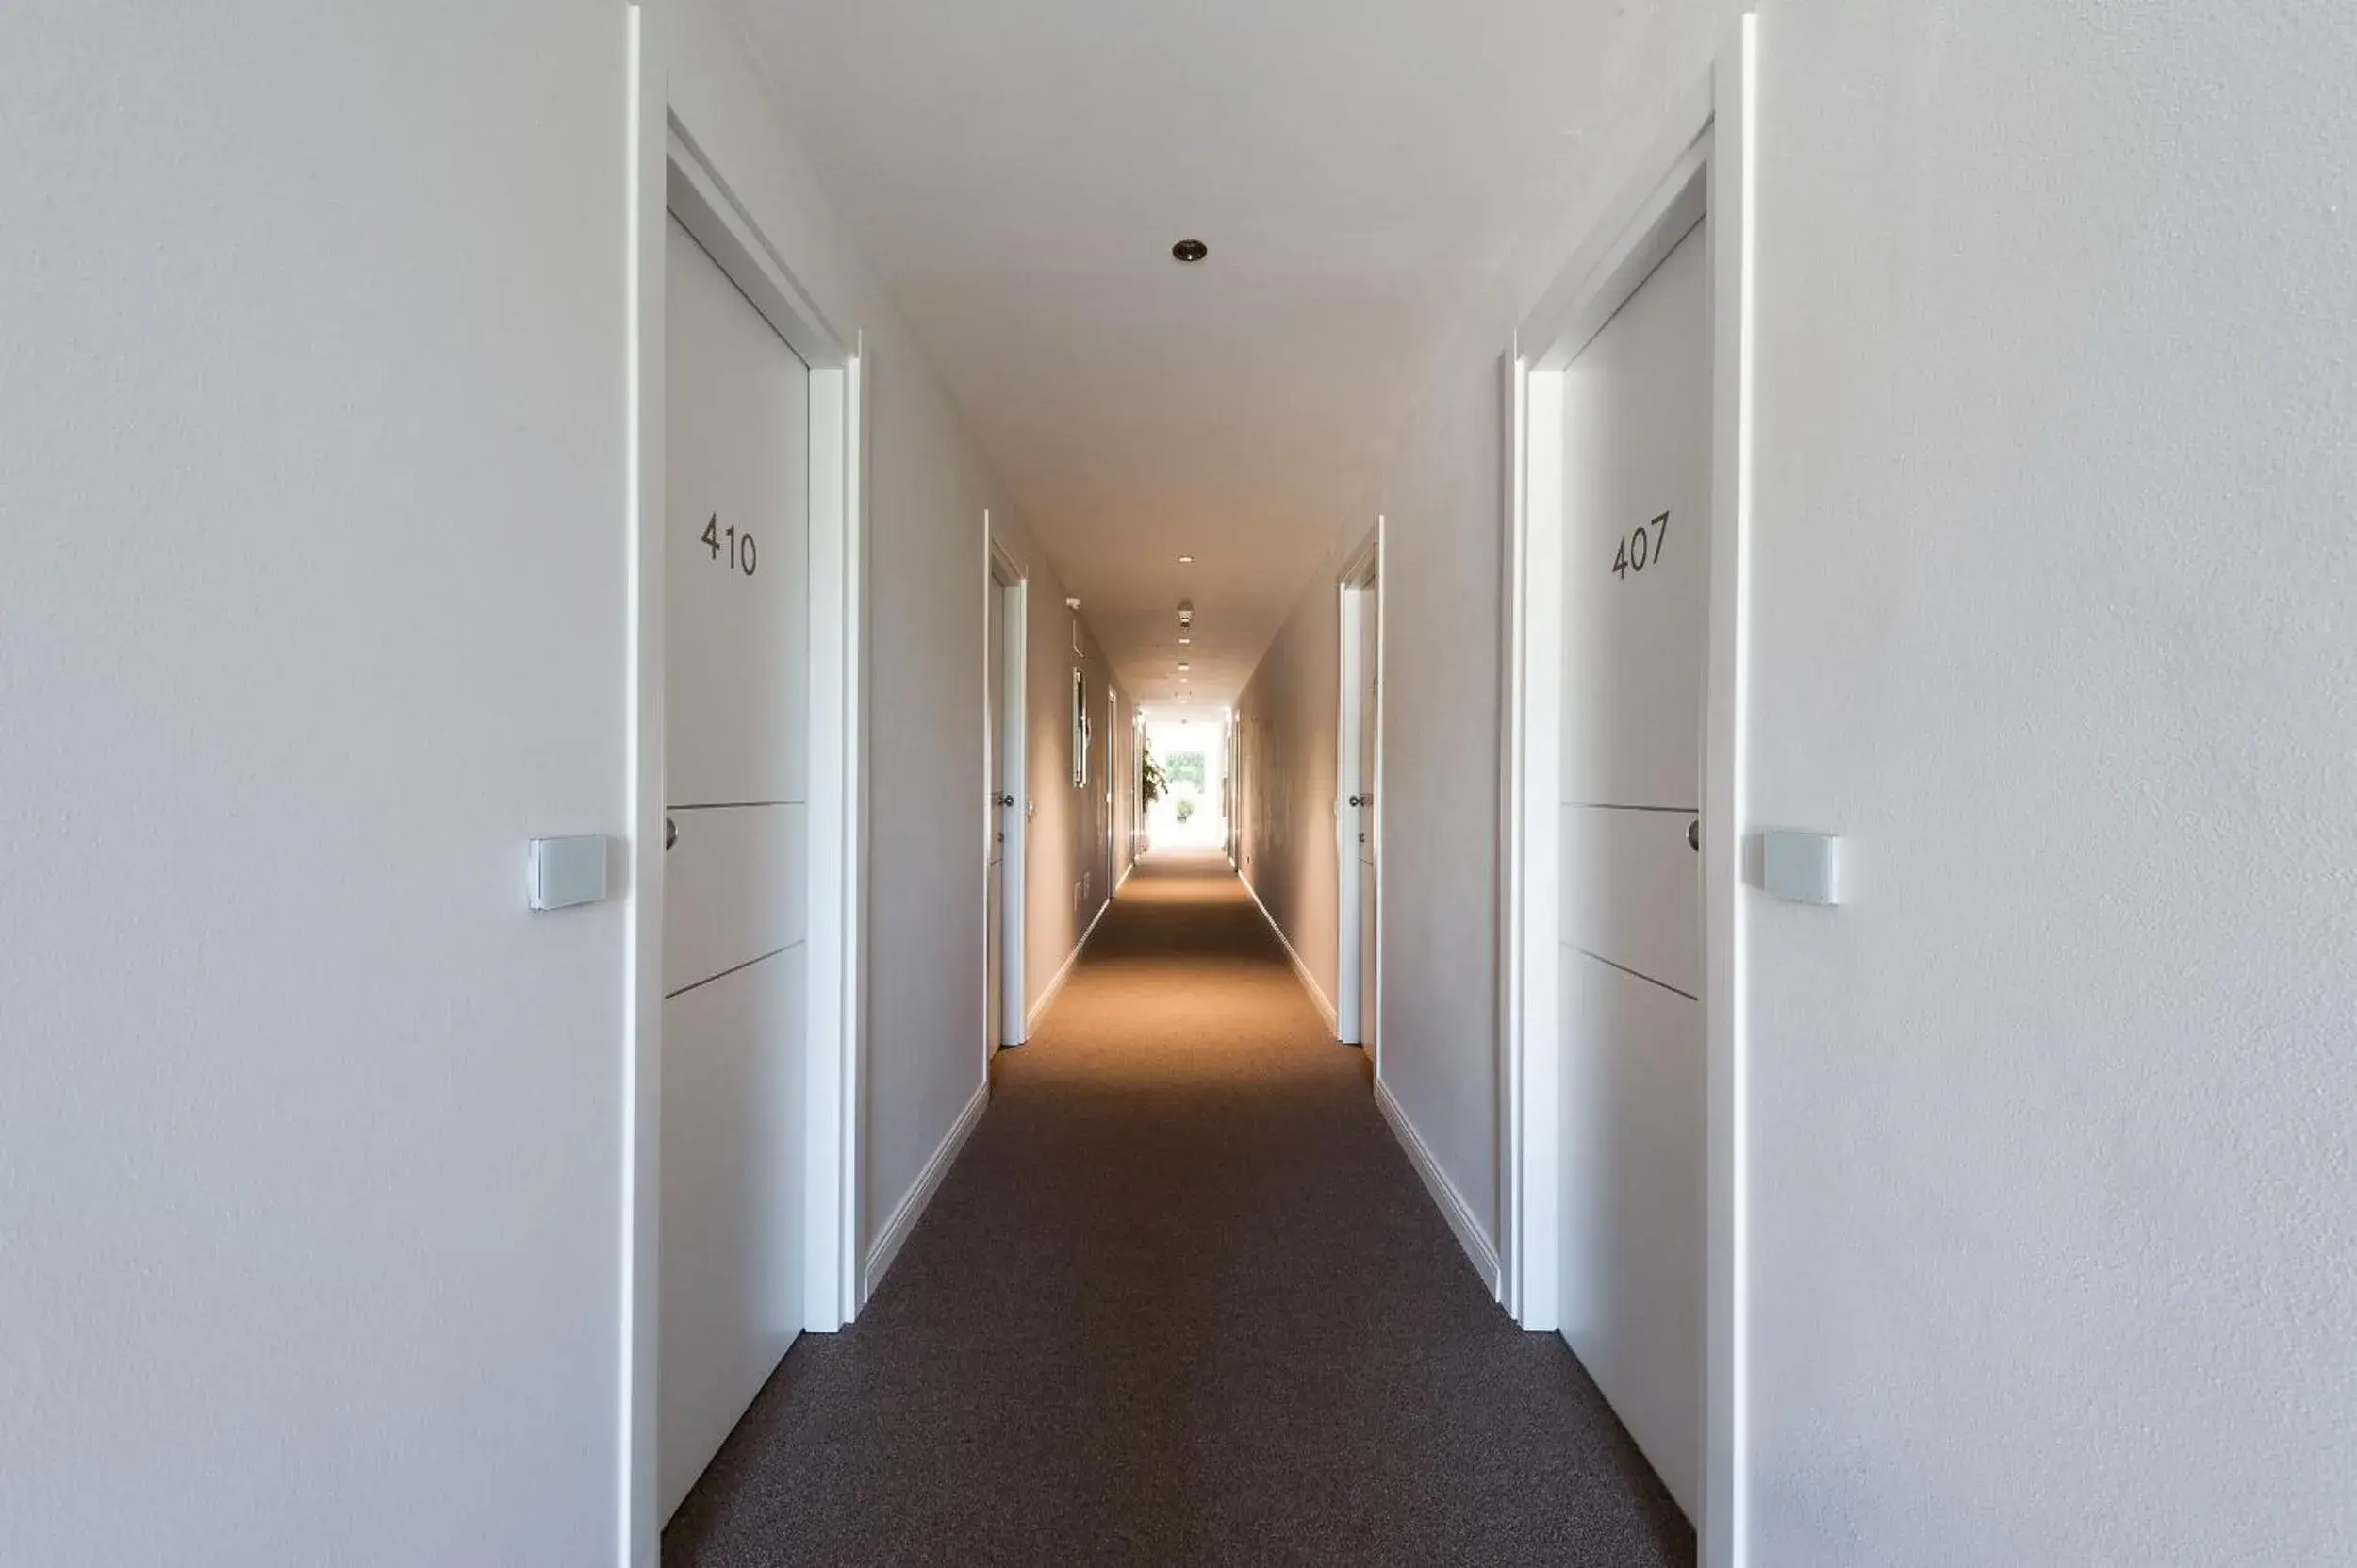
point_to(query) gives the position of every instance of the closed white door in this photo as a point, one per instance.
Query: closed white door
(1354, 819)
(736, 764)
(1636, 487)
(995, 811)
(1369, 697)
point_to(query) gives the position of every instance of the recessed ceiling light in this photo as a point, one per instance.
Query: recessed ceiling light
(1186, 560)
(1182, 663)
(1190, 251)
(1184, 641)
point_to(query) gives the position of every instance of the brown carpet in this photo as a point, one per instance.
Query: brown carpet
(1181, 1301)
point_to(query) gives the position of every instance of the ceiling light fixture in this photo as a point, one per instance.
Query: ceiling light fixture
(1182, 663)
(1189, 252)
(1186, 560)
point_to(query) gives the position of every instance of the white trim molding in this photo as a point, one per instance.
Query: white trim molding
(912, 1203)
(1704, 164)
(637, 1530)
(1072, 959)
(1445, 1197)
(1309, 980)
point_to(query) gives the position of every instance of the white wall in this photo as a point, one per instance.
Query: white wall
(2056, 1256)
(1287, 722)
(312, 611)
(1067, 878)
(928, 486)
(1442, 598)
(2053, 1258)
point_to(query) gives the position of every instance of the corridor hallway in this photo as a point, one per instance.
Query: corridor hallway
(1181, 1300)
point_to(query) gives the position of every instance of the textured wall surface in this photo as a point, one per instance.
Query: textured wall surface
(2055, 1257)
(313, 557)
(1066, 875)
(1286, 751)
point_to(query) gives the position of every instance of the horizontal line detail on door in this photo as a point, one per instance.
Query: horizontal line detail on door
(1608, 805)
(733, 806)
(734, 968)
(1634, 974)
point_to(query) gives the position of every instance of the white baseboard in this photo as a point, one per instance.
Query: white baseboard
(912, 1207)
(1444, 1193)
(1039, 1008)
(1309, 980)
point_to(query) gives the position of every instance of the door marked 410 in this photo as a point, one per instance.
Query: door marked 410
(740, 546)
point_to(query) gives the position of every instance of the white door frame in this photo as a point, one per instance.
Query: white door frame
(670, 175)
(1361, 575)
(1703, 165)
(1001, 574)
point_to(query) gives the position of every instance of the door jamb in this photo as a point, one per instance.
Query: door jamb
(669, 174)
(1705, 165)
(1002, 573)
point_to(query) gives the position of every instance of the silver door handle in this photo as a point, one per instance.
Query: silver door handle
(670, 835)
(1694, 835)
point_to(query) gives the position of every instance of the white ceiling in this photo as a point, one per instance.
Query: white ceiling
(1016, 171)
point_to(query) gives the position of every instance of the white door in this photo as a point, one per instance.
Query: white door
(1369, 718)
(995, 810)
(1636, 494)
(736, 772)
(1354, 821)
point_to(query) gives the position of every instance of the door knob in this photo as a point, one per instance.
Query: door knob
(1694, 835)
(670, 835)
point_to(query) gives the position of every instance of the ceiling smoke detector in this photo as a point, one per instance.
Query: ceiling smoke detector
(1189, 252)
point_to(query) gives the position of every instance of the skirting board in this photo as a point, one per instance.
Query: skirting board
(1047, 998)
(912, 1208)
(1309, 980)
(1452, 1205)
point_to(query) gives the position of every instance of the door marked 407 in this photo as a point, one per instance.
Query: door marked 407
(1641, 546)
